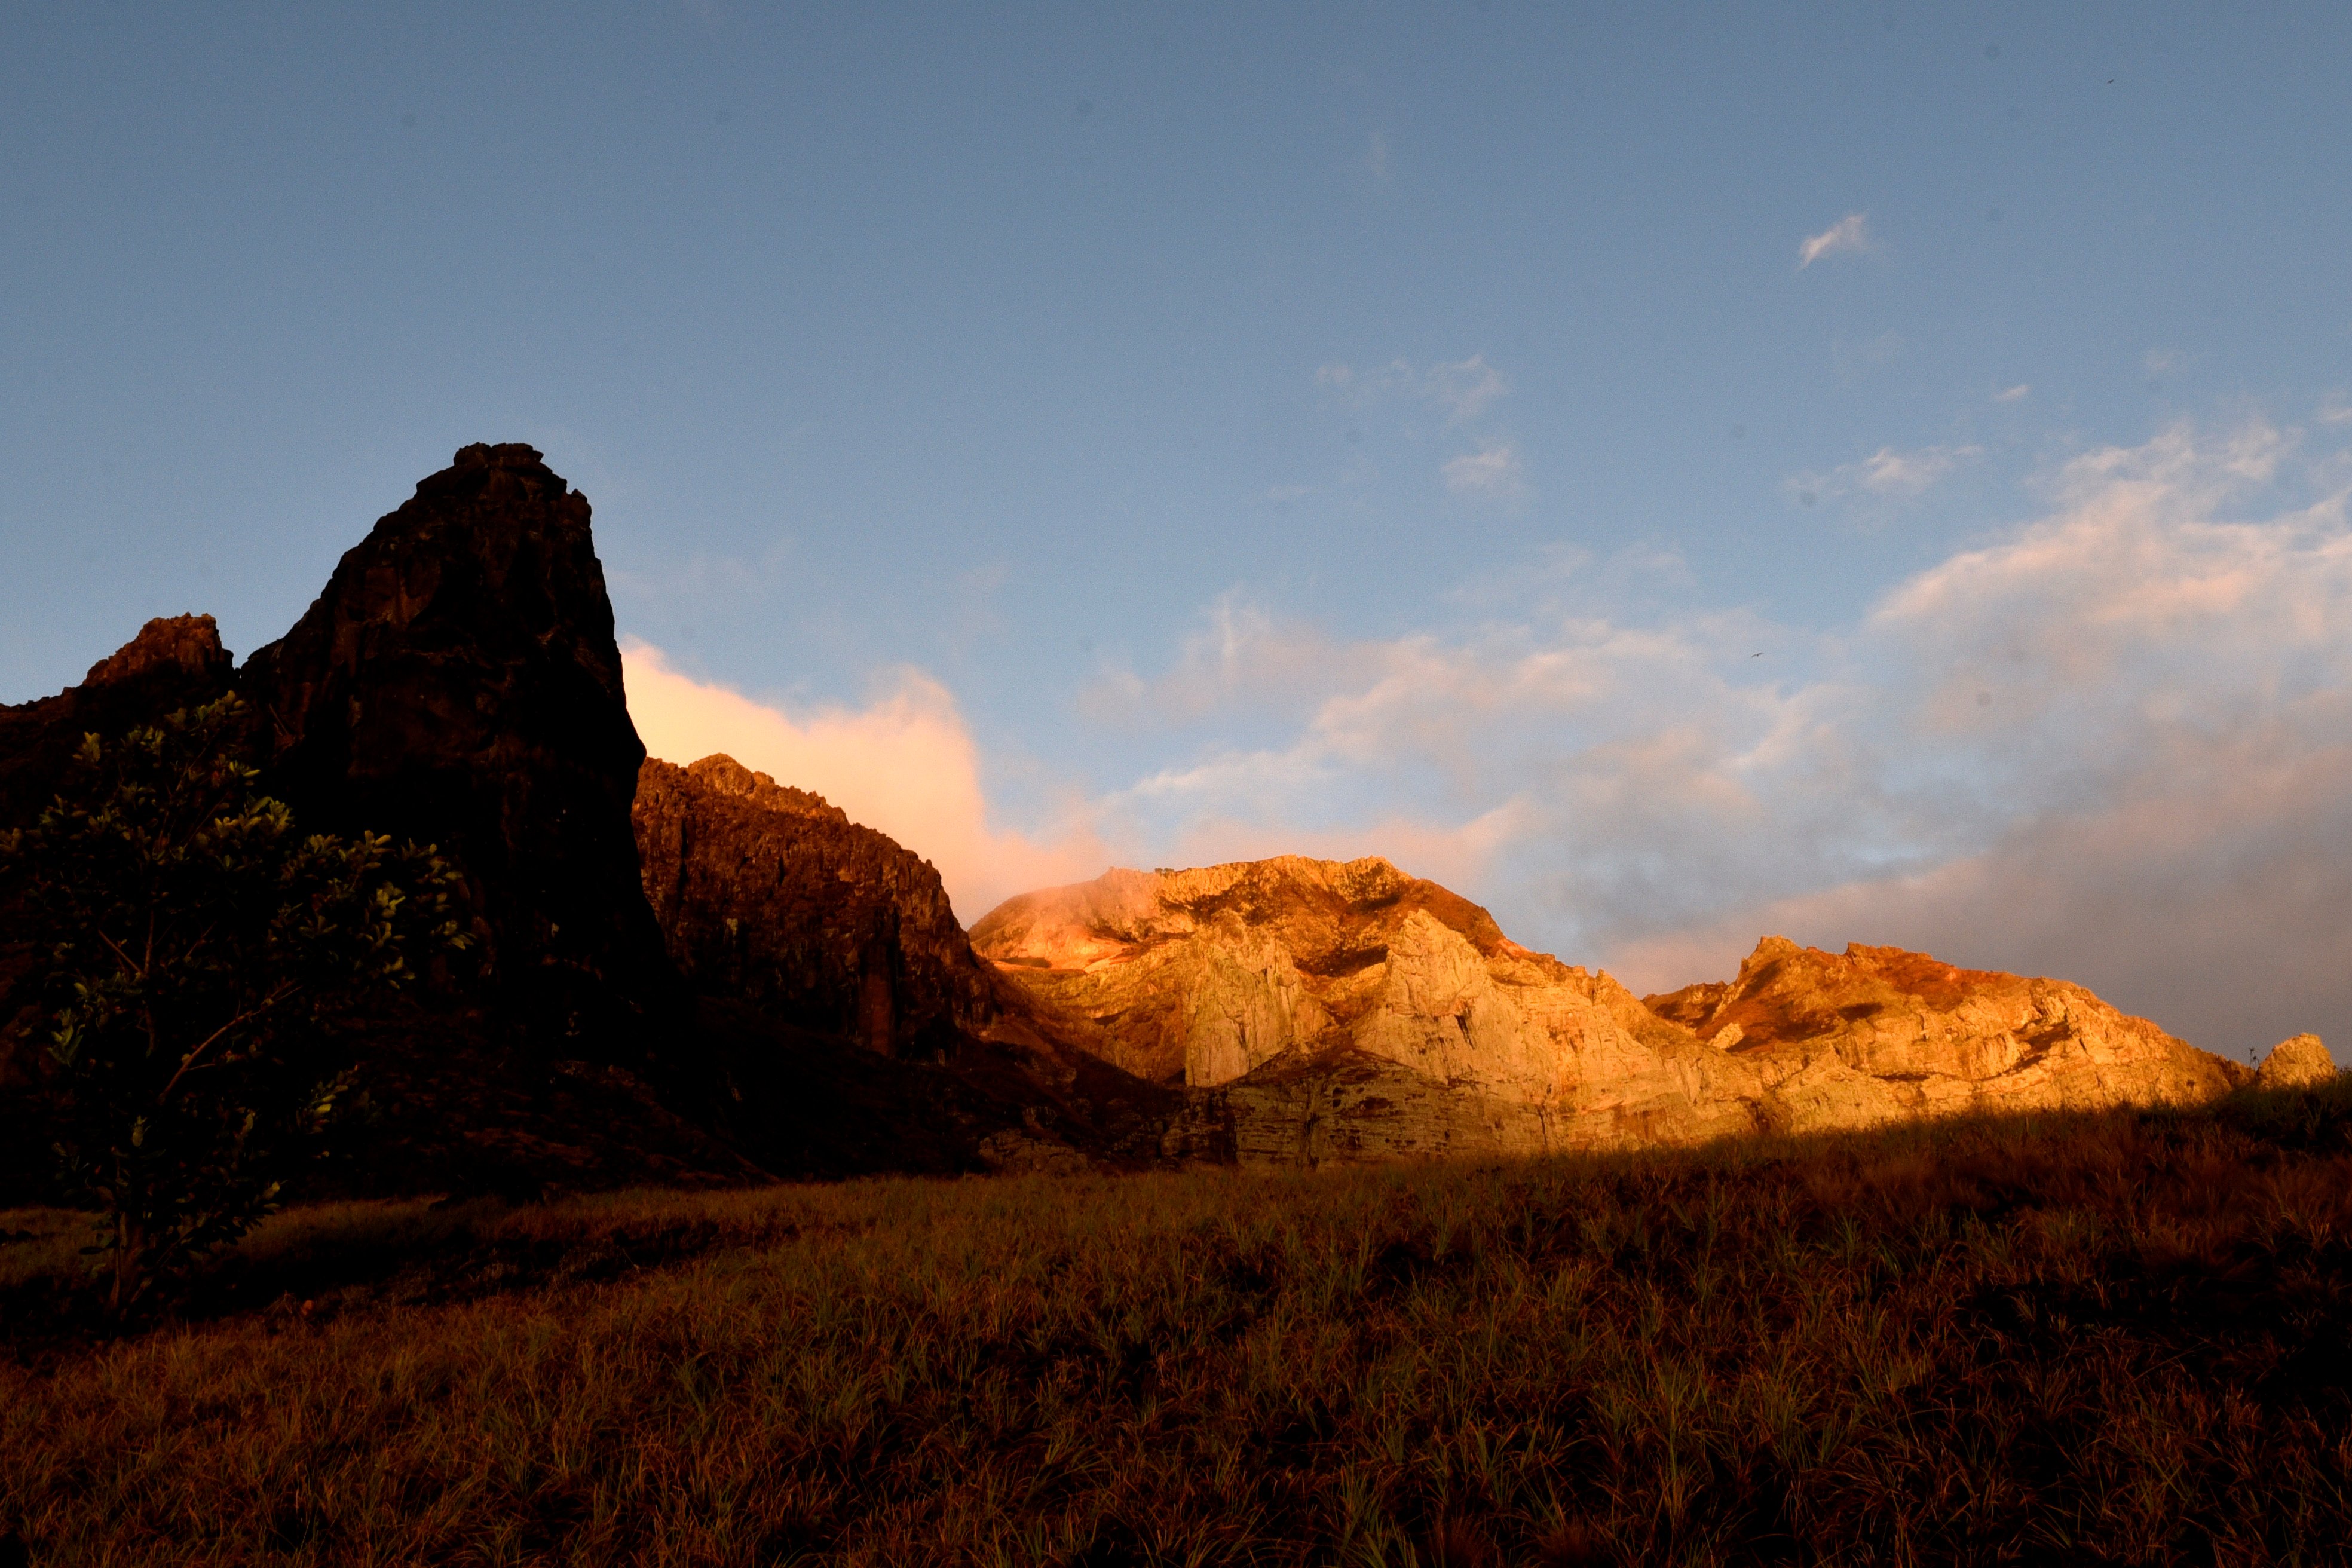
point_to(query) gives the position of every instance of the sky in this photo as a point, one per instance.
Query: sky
(1671, 473)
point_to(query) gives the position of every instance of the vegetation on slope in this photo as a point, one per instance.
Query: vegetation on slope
(2121, 1338)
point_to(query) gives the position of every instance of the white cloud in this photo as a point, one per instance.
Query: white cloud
(2336, 409)
(1851, 232)
(1463, 389)
(905, 763)
(1376, 155)
(2114, 745)
(1886, 474)
(2163, 361)
(1493, 470)
(2013, 395)
(1466, 388)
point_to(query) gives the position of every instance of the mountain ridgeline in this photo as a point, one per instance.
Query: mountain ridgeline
(697, 973)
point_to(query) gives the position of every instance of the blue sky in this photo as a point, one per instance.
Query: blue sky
(1189, 431)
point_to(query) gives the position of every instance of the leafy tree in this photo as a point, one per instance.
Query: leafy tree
(202, 957)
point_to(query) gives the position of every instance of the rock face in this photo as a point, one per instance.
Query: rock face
(2297, 1062)
(1876, 1034)
(768, 895)
(457, 683)
(854, 1026)
(171, 663)
(1352, 1012)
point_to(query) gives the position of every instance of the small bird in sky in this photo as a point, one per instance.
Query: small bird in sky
(1757, 654)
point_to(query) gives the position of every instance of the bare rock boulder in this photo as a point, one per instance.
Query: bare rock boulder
(2297, 1062)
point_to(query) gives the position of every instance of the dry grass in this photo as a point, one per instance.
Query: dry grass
(2122, 1338)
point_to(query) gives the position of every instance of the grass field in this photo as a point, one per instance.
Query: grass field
(2122, 1338)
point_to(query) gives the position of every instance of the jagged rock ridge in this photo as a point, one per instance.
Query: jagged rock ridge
(457, 683)
(1346, 1010)
(857, 1027)
(1349, 1011)
(769, 895)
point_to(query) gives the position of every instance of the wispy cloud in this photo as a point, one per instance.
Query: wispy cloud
(1465, 391)
(2163, 361)
(1466, 388)
(2113, 744)
(1376, 155)
(2013, 395)
(1491, 471)
(1851, 232)
(1462, 389)
(1886, 474)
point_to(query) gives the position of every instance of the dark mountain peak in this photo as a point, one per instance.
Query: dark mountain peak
(457, 683)
(190, 644)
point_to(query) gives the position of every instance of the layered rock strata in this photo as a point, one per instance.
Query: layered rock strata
(1348, 1011)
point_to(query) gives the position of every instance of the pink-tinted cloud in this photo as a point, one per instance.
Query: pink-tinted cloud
(905, 763)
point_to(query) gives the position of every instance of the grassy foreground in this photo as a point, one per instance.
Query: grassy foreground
(2124, 1338)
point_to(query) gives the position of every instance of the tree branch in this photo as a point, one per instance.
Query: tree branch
(206, 1043)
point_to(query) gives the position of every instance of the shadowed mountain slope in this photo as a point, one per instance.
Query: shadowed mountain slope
(856, 1028)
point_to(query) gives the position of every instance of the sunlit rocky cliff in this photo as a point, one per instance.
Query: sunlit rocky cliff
(1337, 1011)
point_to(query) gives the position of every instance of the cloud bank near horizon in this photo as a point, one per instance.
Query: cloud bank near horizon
(2113, 744)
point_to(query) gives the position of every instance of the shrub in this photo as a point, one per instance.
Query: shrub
(199, 956)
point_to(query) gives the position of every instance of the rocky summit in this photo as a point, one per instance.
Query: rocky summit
(1339, 1011)
(457, 683)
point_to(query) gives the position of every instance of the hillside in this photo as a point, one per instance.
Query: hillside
(2116, 1337)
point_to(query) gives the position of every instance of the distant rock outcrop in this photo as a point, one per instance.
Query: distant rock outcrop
(1876, 1034)
(173, 663)
(457, 683)
(1349, 1011)
(768, 895)
(2297, 1062)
